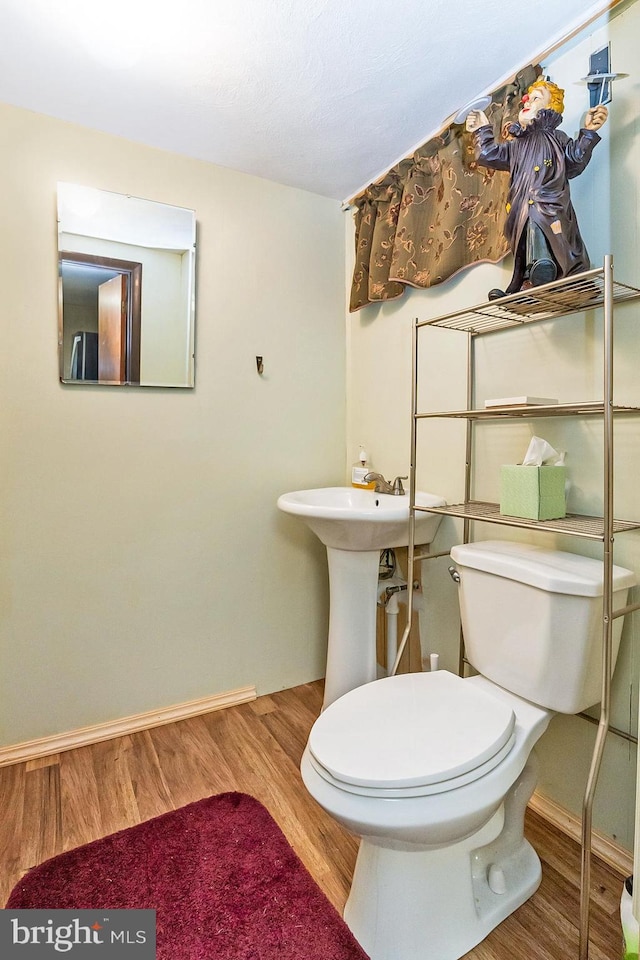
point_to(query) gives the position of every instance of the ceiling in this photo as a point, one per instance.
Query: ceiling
(318, 94)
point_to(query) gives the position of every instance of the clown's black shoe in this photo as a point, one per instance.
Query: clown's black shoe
(542, 271)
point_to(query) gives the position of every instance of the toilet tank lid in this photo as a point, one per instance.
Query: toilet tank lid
(551, 570)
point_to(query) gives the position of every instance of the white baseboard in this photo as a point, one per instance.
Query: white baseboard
(45, 746)
(603, 847)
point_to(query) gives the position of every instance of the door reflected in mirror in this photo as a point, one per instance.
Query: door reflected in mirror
(126, 290)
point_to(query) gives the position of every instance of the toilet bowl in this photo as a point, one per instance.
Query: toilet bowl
(427, 848)
(433, 772)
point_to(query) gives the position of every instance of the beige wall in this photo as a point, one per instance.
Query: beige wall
(562, 359)
(143, 562)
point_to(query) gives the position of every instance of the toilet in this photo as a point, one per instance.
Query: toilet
(434, 772)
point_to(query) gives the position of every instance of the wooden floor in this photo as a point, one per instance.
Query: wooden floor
(57, 803)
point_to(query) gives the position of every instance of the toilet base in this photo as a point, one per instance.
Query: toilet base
(437, 904)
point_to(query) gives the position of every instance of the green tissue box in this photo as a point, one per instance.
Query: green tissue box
(535, 493)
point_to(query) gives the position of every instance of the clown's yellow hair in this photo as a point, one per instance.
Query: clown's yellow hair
(556, 93)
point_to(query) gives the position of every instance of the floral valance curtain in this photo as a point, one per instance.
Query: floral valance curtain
(436, 212)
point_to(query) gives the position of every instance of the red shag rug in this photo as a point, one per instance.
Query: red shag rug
(225, 883)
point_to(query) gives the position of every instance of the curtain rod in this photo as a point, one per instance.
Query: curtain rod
(595, 11)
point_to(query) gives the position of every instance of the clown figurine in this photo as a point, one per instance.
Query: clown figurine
(541, 226)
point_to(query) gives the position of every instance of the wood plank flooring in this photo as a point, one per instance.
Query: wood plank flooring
(56, 803)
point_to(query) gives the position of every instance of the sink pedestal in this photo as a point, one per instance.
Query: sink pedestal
(353, 595)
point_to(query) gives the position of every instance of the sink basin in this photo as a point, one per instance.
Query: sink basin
(346, 518)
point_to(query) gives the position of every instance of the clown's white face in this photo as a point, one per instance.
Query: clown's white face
(532, 103)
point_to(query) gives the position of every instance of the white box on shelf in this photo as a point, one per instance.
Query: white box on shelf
(520, 402)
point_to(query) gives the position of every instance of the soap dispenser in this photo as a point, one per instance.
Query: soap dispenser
(359, 470)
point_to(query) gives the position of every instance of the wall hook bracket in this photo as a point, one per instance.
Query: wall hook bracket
(259, 365)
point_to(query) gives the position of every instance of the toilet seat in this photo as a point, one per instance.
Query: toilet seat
(411, 735)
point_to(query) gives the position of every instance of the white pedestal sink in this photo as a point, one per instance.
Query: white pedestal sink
(355, 525)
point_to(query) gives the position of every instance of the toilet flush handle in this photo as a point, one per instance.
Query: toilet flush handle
(453, 573)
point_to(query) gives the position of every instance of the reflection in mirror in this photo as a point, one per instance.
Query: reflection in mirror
(126, 289)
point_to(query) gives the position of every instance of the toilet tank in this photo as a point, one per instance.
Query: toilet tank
(532, 620)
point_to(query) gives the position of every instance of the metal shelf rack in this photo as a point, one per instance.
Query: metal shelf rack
(591, 290)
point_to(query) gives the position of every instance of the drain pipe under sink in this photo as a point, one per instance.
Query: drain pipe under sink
(390, 597)
(391, 613)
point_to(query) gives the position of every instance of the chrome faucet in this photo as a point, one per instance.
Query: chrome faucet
(384, 486)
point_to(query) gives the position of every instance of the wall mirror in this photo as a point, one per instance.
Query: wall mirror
(126, 290)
